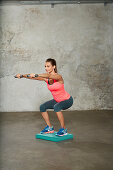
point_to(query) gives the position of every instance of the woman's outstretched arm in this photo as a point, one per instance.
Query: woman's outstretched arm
(40, 76)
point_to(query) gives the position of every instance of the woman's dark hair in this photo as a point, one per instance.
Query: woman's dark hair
(53, 63)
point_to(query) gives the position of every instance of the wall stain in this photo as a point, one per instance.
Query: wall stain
(33, 11)
(96, 76)
(99, 79)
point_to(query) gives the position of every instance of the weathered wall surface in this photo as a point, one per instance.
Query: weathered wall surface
(79, 37)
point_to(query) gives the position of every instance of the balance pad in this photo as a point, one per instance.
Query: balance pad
(53, 137)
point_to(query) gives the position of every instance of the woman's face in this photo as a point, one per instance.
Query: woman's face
(49, 68)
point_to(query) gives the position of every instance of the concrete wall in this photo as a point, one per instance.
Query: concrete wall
(79, 37)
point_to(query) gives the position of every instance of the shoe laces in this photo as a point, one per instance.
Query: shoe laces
(60, 130)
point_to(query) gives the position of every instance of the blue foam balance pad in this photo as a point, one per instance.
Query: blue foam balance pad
(53, 137)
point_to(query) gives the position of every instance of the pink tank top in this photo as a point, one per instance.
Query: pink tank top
(58, 91)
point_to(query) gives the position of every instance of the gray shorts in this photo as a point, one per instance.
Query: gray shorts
(57, 106)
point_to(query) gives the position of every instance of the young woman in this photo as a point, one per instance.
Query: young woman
(61, 99)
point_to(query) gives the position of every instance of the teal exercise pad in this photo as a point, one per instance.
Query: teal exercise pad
(53, 137)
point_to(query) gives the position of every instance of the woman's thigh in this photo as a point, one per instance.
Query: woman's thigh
(47, 105)
(63, 105)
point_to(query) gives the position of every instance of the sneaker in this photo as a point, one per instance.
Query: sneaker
(47, 129)
(61, 132)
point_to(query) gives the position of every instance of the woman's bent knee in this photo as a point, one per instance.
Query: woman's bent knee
(42, 108)
(57, 108)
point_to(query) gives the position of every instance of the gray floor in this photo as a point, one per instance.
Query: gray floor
(91, 148)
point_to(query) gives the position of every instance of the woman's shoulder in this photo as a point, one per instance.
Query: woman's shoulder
(58, 74)
(61, 81)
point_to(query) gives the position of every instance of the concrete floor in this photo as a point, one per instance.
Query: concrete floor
(91, 148)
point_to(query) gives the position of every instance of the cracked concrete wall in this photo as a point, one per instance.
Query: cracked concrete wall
(79, 37)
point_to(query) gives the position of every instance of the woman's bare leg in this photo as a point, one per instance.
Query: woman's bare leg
(46, 118)
(61, 119)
